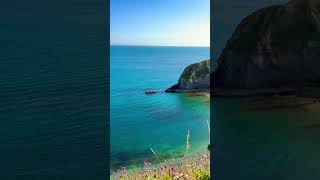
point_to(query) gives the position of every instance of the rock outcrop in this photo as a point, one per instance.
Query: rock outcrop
(195, 77)
(275, 47)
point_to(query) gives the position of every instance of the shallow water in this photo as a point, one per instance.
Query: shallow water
(159, 121)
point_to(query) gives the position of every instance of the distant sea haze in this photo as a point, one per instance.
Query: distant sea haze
(159, 121)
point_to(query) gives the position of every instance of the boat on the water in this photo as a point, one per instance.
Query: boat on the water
(151, 91)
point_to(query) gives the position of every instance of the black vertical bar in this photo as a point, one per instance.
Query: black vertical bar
(108, 90)
(211, 90)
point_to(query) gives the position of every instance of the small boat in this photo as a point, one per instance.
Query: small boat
(151, 91)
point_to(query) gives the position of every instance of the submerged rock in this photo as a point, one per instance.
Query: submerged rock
(278, 46)
(195, 77)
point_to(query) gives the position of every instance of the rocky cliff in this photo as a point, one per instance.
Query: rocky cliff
(195, 77)
(278, 46)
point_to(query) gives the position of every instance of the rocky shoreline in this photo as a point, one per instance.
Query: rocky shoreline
(220, 92)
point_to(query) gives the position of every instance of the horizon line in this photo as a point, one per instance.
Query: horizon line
(160, 45)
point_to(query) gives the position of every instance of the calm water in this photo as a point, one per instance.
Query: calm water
(265, 144)
(159, 121)
(53, 90)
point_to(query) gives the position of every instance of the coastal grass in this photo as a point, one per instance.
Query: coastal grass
(195, 167)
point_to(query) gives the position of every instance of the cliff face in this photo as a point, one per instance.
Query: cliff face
(195, 76)
(278, 46)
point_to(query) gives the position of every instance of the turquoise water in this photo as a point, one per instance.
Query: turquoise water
(159, 121)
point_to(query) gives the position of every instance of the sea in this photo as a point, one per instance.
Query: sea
(253, 143)
(53, 90)
(140, 123)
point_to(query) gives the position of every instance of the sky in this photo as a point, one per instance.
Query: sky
(227, 14)
(160, 22)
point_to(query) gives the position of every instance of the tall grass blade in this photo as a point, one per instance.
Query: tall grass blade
(187, 141)
(208, 127)
(155, 154)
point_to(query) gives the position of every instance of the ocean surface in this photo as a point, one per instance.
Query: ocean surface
(160, 121)
(254, 143)
(53, 90)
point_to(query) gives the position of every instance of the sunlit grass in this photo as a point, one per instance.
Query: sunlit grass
(195, 167)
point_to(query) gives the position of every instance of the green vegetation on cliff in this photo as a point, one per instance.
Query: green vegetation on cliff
(194, 77)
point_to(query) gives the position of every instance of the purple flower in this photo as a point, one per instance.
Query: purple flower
(147, 163)
(175, 175)
(162, 168)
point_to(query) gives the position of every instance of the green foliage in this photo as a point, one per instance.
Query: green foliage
(201, 174)
(197, 70)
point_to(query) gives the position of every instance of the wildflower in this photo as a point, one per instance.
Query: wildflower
(146, 171)
(147, 163)
(162, 168)
(175, 175)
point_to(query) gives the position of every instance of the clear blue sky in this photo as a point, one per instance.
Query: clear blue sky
(160, 22)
